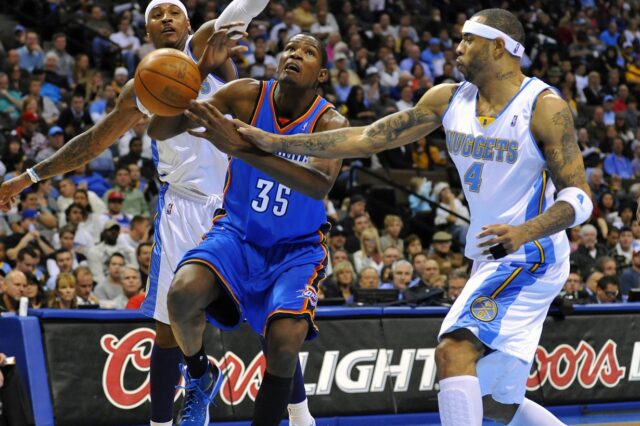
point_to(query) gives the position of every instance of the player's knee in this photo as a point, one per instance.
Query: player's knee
(284, 339)
(282, 359)
(453, 357)
(179, 298)
(164, 336)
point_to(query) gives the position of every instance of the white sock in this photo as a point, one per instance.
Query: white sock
(532, 414)
(152, 423)
(299, 414)
(460, 402)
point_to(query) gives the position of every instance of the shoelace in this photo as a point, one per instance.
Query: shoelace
(193, 392)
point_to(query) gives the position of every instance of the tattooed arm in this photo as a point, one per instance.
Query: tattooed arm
(392, 131)
(81, 149)
(552, 126)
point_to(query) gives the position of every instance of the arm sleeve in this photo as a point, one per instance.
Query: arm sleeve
(241, 10)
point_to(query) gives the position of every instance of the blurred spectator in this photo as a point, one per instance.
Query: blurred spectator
(14, 287)
(574, 237)
(259, 60)
(133, 202)
(442, 254)
(31, 139)
(413, 246)
(25, 234)
(357, 207)
(35, 292)
(128, 43)
(109, 288)
(87, 179)
(303, 15)
(143, 256)
(98, 108)
(55, 142)
(574, 291)
(64, 295)
(402, 271)
(456, 282)
(342, 87)
(343, 282)
(596, 183)
(337, 239)
(630, 277)
(421, 186)
(84, 286)
(10, 103)
(608, 290)
(612, 239)
(288, 25)
(75, 119)
(356, 108)
(392, 229)
(323, 25)
(434, 57)
(455, 225)
(623, 251)
(607, 266)
(114, 200)
(369, 278)
(64, 263)
(412, 59)
(66, 62)
(370, 253)
(31, 54)
(77, 219)
(131, 287)
(65, 239)
(616, 163)
(139, 231)
(100, 254)
(390, 255)
(427, 270)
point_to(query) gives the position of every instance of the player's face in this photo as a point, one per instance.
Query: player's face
(301, 63)
(473, 56)
(168, 27)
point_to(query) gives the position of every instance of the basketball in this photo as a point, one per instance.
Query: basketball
(166, 81)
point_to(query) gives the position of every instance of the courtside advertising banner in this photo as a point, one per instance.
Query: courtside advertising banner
(357, 366)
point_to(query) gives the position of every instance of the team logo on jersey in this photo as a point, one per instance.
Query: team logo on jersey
(205, 88)
(484, 309)
(310, 294)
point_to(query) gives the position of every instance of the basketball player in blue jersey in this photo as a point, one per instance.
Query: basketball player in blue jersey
(264, 257)
(513, 142)
(191, 183)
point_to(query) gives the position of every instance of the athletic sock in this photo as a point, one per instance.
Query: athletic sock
(460, 401)
(197, 363)
(163, 378)
(271, 400)
(298, 394)
(532, 414)
(299, 414)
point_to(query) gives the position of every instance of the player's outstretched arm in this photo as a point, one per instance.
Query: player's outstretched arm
(392, 131)
(314, 179)
(81, 149)
(552, 126)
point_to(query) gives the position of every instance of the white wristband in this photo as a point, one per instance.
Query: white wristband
(33, 175)
(580, 201)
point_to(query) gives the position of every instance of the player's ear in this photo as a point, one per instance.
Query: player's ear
(498, 48)
(323, 76)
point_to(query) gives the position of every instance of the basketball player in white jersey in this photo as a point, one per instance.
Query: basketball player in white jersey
(512, 140)
(192, 172)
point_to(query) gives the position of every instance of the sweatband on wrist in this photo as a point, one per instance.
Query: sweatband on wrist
(240, 11)
(155, 3)
(485, 31)
(33, 175)
(580, 201)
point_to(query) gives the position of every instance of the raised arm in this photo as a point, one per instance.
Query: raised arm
(81, 149)
(314, 179)
(552, 126)
(392, 131)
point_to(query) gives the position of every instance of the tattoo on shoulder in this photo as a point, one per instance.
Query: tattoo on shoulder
(564, 159)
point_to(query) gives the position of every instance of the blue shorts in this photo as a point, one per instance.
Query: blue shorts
(264, 283)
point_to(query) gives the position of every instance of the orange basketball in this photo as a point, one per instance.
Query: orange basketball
(166, 81)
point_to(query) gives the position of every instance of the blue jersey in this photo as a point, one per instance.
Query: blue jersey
(261, 210)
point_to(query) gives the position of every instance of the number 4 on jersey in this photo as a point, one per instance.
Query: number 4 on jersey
(280, 203)
(473, 176)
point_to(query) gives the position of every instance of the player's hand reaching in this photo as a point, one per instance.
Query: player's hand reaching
(219, 48)
(11, 188)
(218, 129)
(264, 140)
(509, 237)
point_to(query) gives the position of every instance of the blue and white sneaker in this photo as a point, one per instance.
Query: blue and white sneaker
(198, 394)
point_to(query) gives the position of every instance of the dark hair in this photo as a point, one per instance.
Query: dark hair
(504, 21)
(116, 254)
(85, 214)
(144, 244)
(26, 251)
(606, 280)
(60, 251)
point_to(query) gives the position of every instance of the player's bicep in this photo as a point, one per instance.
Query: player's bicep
(552, 125)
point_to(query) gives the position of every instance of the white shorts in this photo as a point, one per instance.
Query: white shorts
(180, 223)
(504, 305)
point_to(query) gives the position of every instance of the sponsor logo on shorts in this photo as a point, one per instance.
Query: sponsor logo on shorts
(484, 309)
(311, 295)
(205, 88)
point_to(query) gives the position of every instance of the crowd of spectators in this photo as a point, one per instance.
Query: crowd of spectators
(85, 238)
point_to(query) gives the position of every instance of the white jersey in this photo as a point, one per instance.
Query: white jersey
(503, 172)
(189, 163)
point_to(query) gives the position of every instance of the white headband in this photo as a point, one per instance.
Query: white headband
(155, 3)
(482, 30)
